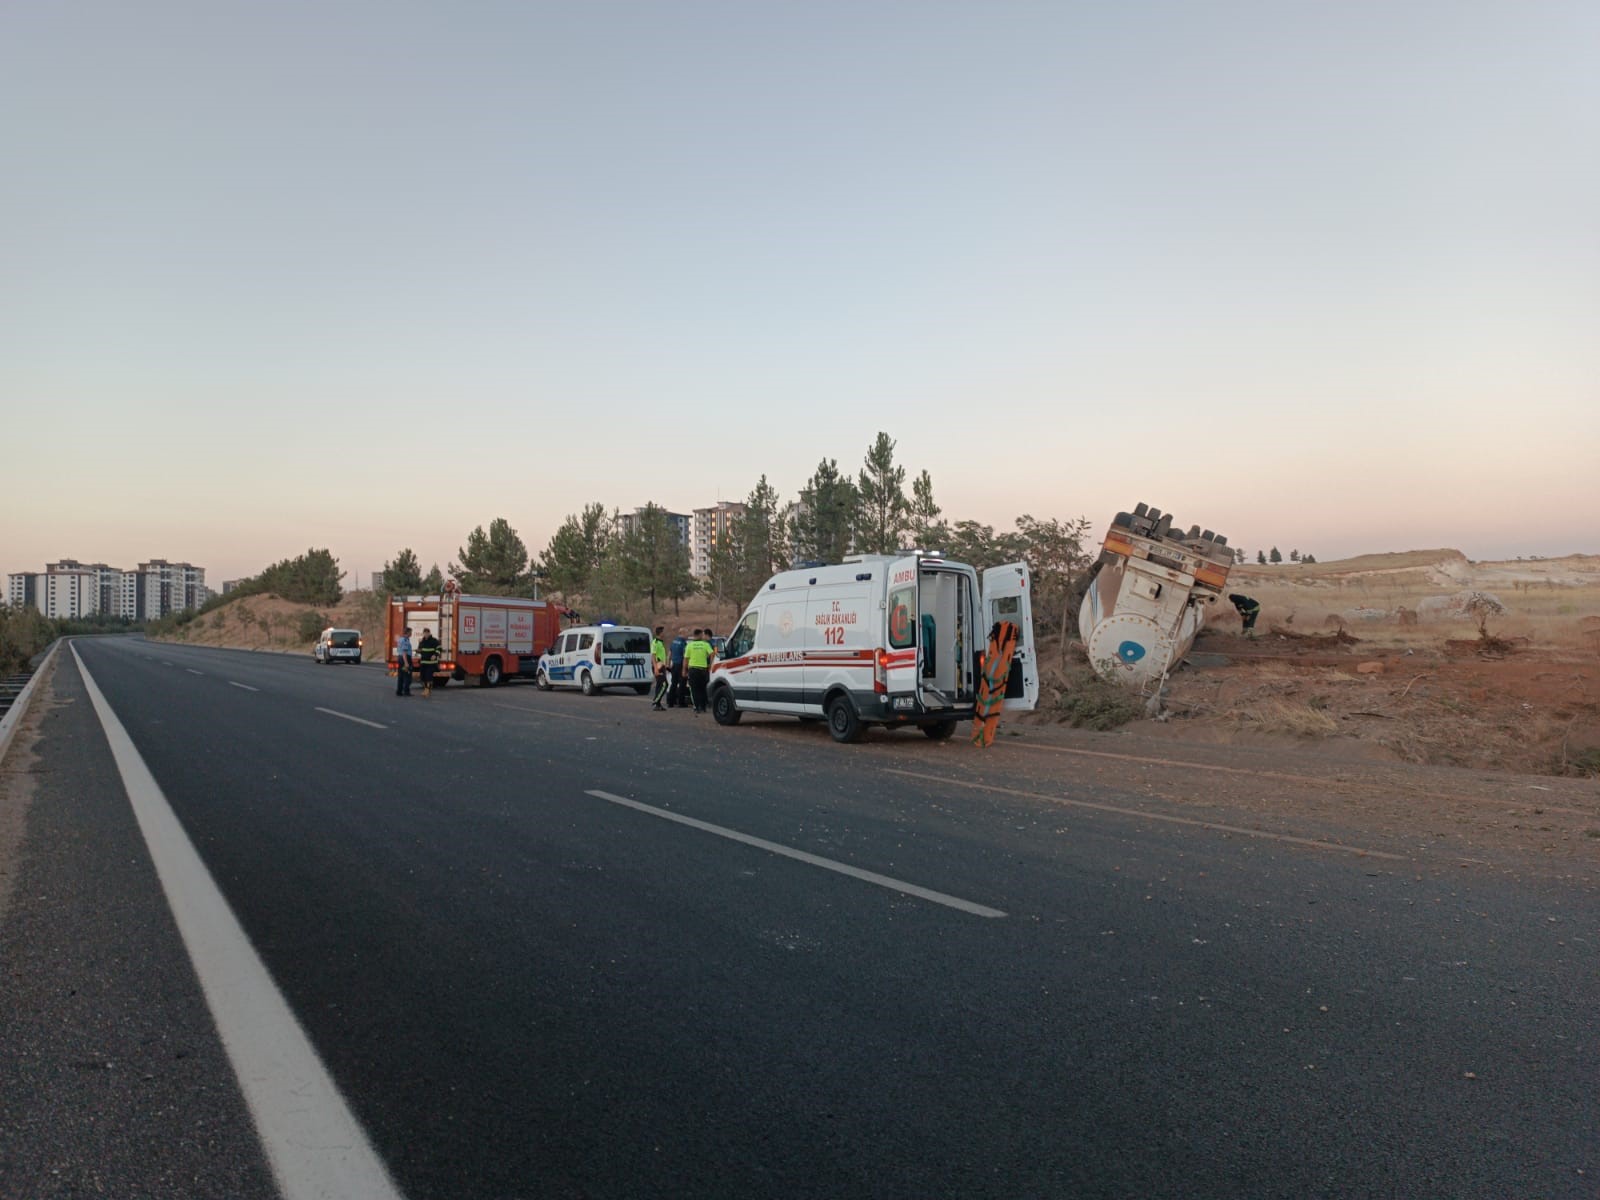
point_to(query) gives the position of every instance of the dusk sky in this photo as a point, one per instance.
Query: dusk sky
(366, 275)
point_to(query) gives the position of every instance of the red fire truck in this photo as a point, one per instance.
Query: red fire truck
(491, 637)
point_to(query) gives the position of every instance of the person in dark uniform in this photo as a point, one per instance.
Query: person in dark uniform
(678, 697)
(428, 654)
(1249, 610)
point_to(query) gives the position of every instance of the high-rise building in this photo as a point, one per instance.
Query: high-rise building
(712, 527)
(680, 523)
(24, 589)
(69, 589)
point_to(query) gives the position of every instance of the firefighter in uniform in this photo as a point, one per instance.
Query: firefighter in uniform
(1249, 610)
(428, 660)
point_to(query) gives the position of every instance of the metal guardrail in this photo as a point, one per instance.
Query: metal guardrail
(16, 691)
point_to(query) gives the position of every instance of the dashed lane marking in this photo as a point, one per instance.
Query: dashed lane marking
(827, 864)
(245, 686)
(333, 712)
(1150, 816)
(192, 671)
(315, 1144)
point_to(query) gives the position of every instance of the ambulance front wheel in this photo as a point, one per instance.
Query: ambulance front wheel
(723, 707)
(842, 720)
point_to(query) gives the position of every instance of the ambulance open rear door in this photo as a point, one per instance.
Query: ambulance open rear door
(1007, 596)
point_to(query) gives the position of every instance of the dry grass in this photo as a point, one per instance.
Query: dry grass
(1553, 604)
(1272, 715)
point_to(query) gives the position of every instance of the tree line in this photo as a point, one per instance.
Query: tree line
(627, 565)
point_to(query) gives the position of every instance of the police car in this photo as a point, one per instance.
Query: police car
(594, 657)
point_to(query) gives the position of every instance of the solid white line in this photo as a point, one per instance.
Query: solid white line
(827, 864)
(1150, 816)
(313, 1141)
(245, 686)
(358, 720)
(192, 671)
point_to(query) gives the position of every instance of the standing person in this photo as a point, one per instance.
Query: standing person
(1249, 610)
(697, 656)
(663, 677)
(402, 653)
(428, 654)
(679, 696)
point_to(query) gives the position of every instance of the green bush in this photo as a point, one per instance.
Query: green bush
(311, 624)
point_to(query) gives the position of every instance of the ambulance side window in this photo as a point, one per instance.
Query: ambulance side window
(1007, 608)
(902, 618)
(743, 637)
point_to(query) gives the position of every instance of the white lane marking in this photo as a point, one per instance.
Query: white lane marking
(358, 720)
(165, 663)
(827, 864)
(316, 1146)
(1150, 816)
(245, 686)
(192, 671)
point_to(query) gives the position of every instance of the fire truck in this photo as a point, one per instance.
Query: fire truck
(490, 637)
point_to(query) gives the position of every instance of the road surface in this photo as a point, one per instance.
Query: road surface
(545, 945)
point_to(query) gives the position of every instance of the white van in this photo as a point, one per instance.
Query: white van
(338, 645)
(592, 657)
(877, 639)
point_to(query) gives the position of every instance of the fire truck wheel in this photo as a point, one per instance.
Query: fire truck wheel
(491, 673)
(724, 708)
(940, 731)
(586, 685)
(842, 720)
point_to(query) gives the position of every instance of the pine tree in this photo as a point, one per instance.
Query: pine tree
(884, 513)
(1274, 556)
(495, 562)
(824, 521)
(403, 576)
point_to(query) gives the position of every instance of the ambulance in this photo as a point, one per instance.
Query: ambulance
(875, 640)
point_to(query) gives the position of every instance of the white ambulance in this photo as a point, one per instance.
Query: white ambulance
(877, 639)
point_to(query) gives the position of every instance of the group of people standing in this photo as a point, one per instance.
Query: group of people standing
(681, 670)
(424, 658)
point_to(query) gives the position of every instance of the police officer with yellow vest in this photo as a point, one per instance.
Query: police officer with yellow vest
(663, 675)
(697, 656)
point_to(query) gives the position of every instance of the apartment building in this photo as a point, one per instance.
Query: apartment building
(70, 589)
(711, 528)
(23, 589)
(680, 523)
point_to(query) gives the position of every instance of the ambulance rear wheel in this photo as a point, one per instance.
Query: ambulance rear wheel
(586, 685)
(940, 731)
(842, 720)
(723, 707)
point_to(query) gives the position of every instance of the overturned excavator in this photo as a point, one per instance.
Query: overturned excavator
(1147, 594)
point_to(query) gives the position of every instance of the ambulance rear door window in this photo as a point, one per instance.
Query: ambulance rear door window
(902, 618)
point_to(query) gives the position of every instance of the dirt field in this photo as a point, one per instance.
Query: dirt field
(1368, 659)
(1389, 657)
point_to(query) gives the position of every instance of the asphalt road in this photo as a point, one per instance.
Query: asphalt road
(525, 987)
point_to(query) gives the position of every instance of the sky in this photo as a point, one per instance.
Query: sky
(367, 275)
